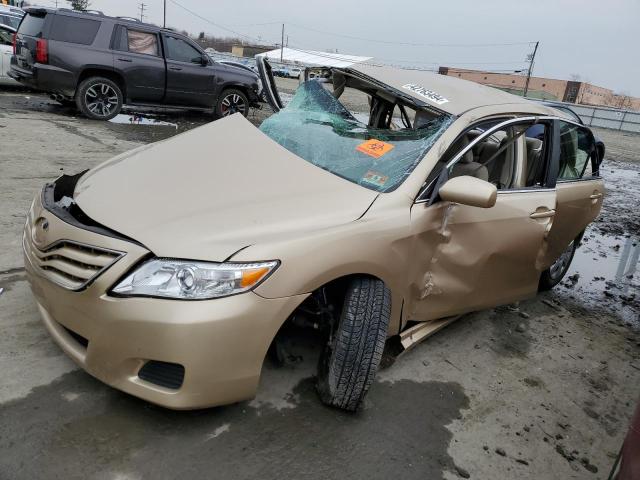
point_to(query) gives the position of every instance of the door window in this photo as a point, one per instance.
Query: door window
(181, 51)
(142, 42)
(576, 148)
(501, 157)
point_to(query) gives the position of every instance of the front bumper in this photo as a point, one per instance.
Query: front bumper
(221, 343)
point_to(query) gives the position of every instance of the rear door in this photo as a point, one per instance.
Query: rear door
(138, 58)
(32, 28)
(580, 190)
(191, 75)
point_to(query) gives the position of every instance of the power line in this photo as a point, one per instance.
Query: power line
(329, 56)
(409, 44)
(242, 35)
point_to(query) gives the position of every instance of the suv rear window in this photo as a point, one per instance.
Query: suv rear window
(32, 25)
(74, 30)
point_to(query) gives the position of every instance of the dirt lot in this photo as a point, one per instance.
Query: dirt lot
(543, 389)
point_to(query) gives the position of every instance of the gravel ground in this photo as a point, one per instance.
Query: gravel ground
(542, 389)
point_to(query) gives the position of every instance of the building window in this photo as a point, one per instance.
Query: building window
(485, 78)
(513, 81)
(459, 74)
(544, 84)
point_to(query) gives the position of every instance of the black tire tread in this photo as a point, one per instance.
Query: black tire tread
(359, 344)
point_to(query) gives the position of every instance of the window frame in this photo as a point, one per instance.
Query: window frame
(428, 192)
(69, 18)
(121, 32)
(592, 159)
(166, 36)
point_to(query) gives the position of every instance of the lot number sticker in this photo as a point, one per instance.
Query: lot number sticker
(374, 148)
(426, 93)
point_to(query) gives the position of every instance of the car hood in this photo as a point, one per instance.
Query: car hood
(214, 190)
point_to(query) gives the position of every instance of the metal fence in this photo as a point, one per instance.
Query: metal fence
(613, 118)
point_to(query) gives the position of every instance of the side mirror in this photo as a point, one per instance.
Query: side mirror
(202, 60)
(471, 191)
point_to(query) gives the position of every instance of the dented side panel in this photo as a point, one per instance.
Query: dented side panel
(466, 258)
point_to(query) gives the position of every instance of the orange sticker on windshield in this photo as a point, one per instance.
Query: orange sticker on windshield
(374, 148)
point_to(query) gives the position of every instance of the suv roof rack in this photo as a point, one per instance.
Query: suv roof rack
(134, 19)
(91, 12)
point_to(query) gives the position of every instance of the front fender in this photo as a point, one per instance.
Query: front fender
(376, 245)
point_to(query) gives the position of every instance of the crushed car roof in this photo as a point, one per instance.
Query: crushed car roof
(449, 94)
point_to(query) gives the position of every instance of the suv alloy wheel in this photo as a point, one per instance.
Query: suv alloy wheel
(99, 98)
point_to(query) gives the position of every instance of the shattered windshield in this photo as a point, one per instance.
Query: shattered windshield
(318, 128)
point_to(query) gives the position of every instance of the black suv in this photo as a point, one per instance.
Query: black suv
(101, 62)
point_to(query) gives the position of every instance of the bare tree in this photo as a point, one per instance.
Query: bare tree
(81, 5)
(622, 100)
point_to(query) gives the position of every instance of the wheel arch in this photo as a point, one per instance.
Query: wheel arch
(112, 75)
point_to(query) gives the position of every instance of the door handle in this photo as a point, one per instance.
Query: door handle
(128, 60)
(175, 68)
(595, 196)
(543, 214)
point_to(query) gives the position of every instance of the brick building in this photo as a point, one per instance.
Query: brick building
(547, 88)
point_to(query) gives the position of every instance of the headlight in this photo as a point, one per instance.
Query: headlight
(187, 280)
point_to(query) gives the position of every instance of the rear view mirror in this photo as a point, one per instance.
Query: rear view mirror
(471, 191)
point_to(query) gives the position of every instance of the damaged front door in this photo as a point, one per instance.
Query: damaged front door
(466, 258)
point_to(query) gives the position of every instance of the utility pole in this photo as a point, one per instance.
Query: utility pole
(164, 22)
(282, 44)
(532, 59)
(142, 5)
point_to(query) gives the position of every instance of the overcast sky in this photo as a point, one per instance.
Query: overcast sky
(595, 39)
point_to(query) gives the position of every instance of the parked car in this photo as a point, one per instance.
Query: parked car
(10, 16)
(293, 72)
(170, 279)
(102, 62)
(6, 50)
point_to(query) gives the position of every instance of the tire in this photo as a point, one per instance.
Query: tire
(99, 98)
(232, 101)
(556, 272)
(349, 362)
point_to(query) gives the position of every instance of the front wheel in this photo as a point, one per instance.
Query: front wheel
(558, 269)
(232, 101)
(350, 360)
(99, 98)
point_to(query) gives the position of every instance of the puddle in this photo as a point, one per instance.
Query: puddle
(608, 274)
(136, 119)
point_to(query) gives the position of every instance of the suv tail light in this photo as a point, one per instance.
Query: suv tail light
(15, 39)
(42, 51)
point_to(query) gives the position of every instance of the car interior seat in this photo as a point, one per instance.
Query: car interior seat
(467, 164)
(534, 163)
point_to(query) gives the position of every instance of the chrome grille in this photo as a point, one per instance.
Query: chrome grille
(73, 265)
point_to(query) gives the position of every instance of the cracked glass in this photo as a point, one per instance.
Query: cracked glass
(318, 128)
